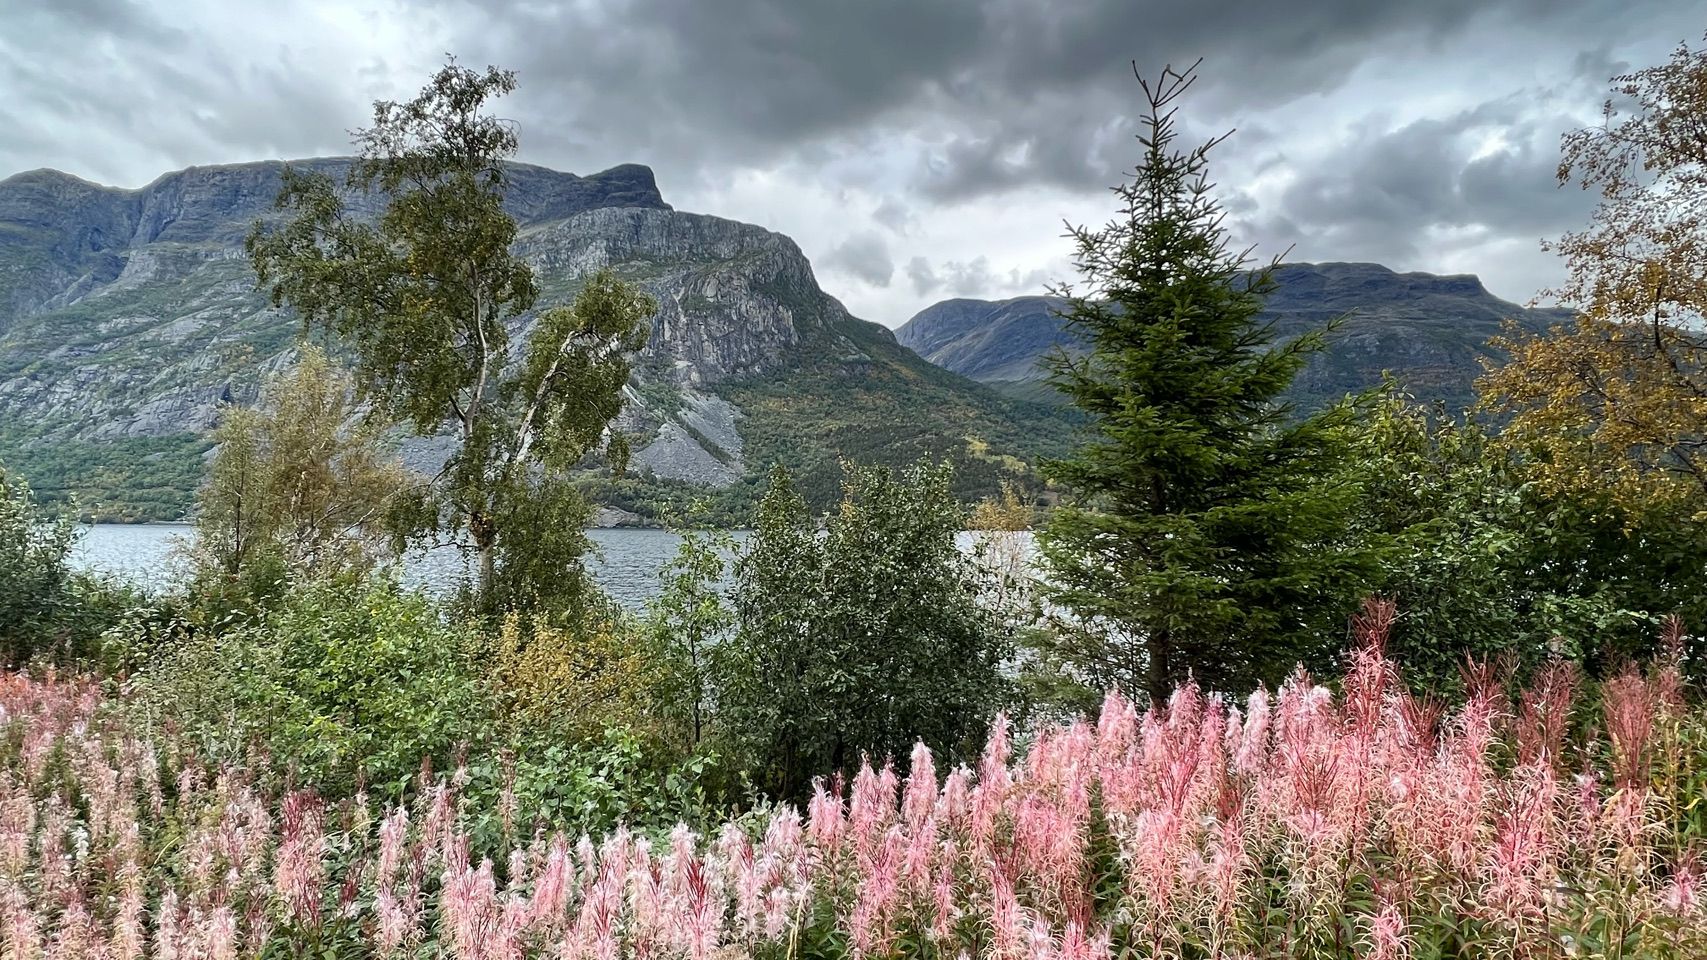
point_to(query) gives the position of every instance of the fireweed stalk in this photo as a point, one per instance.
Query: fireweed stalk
(1367, 823)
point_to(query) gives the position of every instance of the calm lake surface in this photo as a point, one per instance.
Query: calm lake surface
(626, 562)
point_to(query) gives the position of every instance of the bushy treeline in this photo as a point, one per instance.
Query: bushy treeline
(831, 644)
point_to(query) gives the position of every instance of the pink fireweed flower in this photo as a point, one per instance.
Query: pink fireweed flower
(52, 858)
(1117, 726)
(168, 936)
(1048, 846)
(693, 901)
(1544, 712)
(393, 926)
(299, 871)
(508, 940)
(436, 828)
(1625, 823)
(219, 933)
(1253, 739)
(869, 924)
(393, 834)
(17, 826)
(76, 938)
(1009, 929)
(469, 908)
(1230, 861)
(1522, 859)
(128, 936)
(921, 850)
(944, 899)
(1682, 895)
(748, 876)
(955, 804)
(22, 926)
(551, 887)
(994, 781)
(616, 851)
(1388, 936)
(870, 808)
(1076, 944)
(919, 801)
(1629, 708)
(783, 858)
(824, 812)
(646, 899)
(519, 871)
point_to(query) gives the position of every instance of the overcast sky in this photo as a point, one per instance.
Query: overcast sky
(916, 149)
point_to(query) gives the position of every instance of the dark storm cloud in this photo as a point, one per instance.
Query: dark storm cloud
(120, 91)
(947, 110)
(1011, 92)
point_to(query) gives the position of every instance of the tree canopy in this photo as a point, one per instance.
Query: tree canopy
(428, 294)
(1613, 406)
(1203, 530)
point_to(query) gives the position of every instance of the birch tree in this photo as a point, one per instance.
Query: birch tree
(428, 294)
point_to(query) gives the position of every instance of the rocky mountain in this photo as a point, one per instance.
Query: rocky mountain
(1429, 331)
(129, 317)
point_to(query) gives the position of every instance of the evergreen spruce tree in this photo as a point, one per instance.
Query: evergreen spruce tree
(1202, 533)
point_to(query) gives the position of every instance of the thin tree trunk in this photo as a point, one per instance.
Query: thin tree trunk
(1161, 648)
(485, 537)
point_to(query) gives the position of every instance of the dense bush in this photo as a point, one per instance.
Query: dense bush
(341, 681)
(570, 683)
(47, 609)
(1487, 564)
(35, 591)
(686, 623)
(859, 638)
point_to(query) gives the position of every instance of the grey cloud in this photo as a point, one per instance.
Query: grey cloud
(973, 278)
(1011, 92)
(1386, 195)
(155, 96)
(925, 281)
(926, 103)
(893, 214)
(865, 256)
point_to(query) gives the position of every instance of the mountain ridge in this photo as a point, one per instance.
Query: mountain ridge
(1429, 330)
(128, 318)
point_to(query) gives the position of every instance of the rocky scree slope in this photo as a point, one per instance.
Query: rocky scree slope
(129, 317)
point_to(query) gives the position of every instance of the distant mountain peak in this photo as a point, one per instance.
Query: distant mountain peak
(1429, 330)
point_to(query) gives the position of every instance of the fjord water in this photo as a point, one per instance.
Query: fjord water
(626, 562)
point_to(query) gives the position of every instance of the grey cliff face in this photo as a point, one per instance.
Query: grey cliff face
(134, 313)
(722, 287)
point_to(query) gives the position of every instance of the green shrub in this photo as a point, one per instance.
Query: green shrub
(343, 681)
(584, 788)
(47, 609)
(863, 637)
(34, 592)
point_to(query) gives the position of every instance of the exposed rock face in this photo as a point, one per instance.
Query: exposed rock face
(1429, 331)
(722, 286)
(131, 316)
